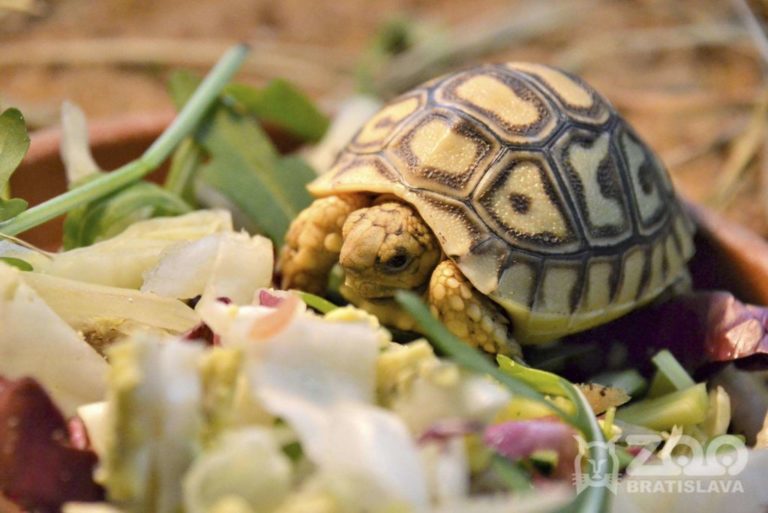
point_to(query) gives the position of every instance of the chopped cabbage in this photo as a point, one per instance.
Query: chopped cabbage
(719, 413)
(83, 305)
(154, 417)
(247, 464)
(319, 376)
(231, 265)
(36, 342)
(94, 417)
(122, 260)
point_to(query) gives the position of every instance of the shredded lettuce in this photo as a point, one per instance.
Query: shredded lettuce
(83, 305)
(36, 342)
(247, 464)
(154, 417)
(230, 265)
(122, 260)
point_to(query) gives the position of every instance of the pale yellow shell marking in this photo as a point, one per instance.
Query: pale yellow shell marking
(598, 278)
(569, 90)
(649, 203)
(631, 275)
(586, 161)
(684, 236)
(450, 223)
(542, 216)
(657, 278)
(673, 255)
(555, 291)
(490, 94)
(517, 283)
(363, 174)
(437, 145)
(383, 123)
(483, 267)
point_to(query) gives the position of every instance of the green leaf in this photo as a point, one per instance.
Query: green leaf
(320, 304)
(670, 375)
(112, 214)
(185, 164)
(542, 381)
(279, 103)
(246, 168)
(18, 263)
(11, 208)
(181, 85)
(282, 104)
(680, 408)
(14, 143)
(514, 477)
(595, 498)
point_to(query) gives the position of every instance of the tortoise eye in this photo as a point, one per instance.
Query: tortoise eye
(397, 263)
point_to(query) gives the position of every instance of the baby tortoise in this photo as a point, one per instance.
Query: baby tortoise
(510, 193)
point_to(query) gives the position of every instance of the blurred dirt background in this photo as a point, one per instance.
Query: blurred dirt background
(690, 75)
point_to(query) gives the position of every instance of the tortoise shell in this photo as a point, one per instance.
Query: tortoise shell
(543, 195)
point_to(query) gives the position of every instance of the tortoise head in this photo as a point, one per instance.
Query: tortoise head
(387, 247)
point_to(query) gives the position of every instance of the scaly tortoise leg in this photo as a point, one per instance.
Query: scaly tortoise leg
(467, 313)
(313, 242)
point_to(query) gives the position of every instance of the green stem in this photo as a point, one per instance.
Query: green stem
(182, 126)
(184, 163)
(680, 408)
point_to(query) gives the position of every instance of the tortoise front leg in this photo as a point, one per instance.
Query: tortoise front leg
(467, 313)
(313, 242)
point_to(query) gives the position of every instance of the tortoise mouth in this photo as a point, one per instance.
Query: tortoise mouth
(369, 290)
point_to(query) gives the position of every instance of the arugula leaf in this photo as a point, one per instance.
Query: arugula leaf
(269, 190)
(17, 263)
(320, 304)
(110, 215)
(14, 142)
(185, 162)
(181, 85)
(281, 103)
(246, 168)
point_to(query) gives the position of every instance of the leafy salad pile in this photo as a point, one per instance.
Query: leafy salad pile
(149, 367)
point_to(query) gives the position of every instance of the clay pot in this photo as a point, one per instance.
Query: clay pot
(728, 255)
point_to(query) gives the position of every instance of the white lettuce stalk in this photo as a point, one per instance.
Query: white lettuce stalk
(36, 342)
(231, 265)
(95, 419)
(122, 260)
(84, 305)
(154, 417)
